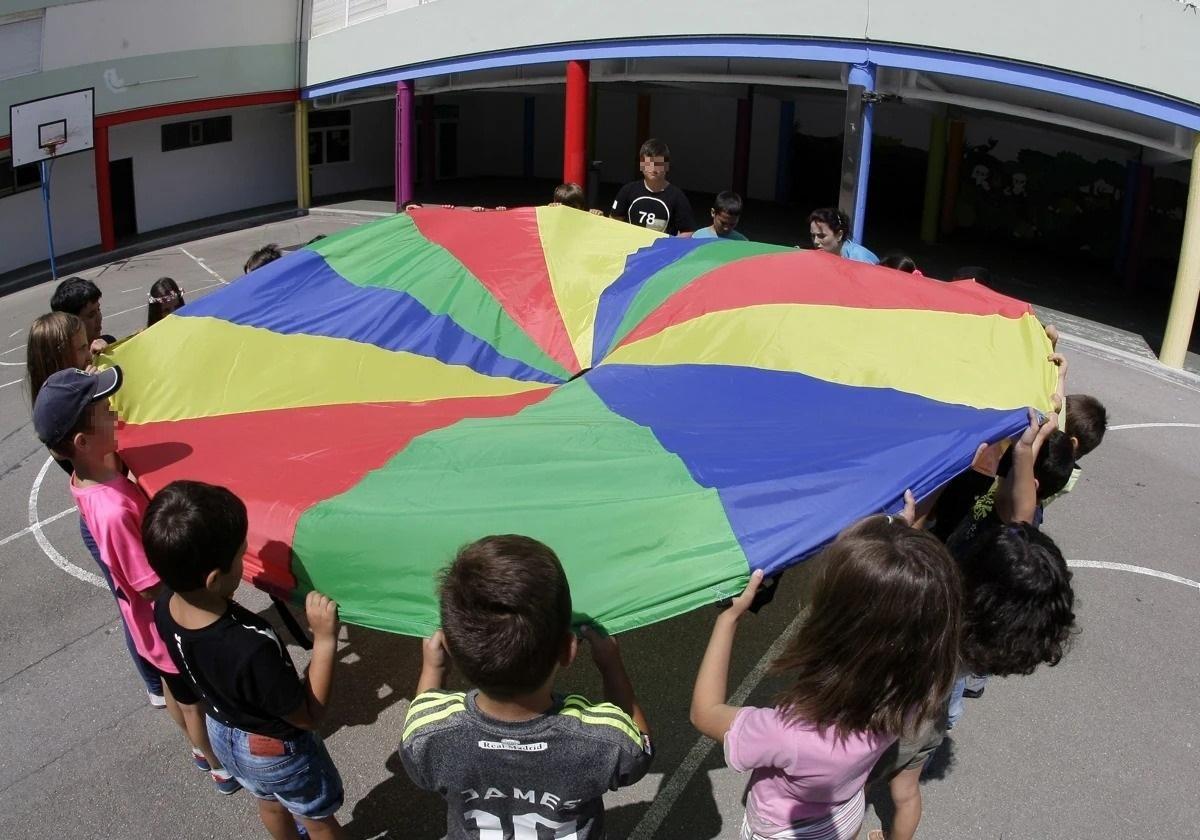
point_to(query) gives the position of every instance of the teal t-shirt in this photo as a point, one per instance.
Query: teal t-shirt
(709, 233)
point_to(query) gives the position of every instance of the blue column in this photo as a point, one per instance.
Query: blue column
(783, 153)
(863, 75)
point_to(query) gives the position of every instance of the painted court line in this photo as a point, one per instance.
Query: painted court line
(14, 382)
(1155, 426)
(40, 524)
(35, 527)
(670, 792)
(200, 263)
(1137, 570)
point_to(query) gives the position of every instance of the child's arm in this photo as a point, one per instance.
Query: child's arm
(1018, 496)
(1058, 399)
(618, 689)
(435, 664)
(318, 679)
(710, 713)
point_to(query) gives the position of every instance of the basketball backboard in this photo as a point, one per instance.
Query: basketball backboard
(52, 126)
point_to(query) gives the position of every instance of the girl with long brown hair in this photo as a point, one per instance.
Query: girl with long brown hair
(876, 654)
(57, 340)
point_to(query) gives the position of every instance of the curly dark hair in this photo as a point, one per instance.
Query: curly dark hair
(1019, 605)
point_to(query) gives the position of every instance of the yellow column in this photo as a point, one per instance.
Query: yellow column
(303, 184)
(1187, 280)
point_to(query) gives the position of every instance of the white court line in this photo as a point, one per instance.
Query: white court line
(1137, 570)
(12, 349)
(43, 522)
(127, 291)
(1155, 426)
(668, 793)
(143, 306)
(14, 332)
(200, 263)
(13, 364)
(35, 527)
(14, 382)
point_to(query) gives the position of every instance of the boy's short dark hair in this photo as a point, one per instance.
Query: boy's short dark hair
(1019, 604)
(653, 148)
(1052, 467)
(190, 530)
(728, 202)
(266, 254)
(570, 195)
(1087, 421)
(506, 608)
(74, 293)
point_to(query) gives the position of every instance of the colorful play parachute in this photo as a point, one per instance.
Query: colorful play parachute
(667, 414)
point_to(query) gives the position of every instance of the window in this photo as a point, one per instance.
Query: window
(17, 180)
(329, 137)
(185, 135)
(20, 44)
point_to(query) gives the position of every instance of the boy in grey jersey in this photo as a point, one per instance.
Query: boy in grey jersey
(511, 756)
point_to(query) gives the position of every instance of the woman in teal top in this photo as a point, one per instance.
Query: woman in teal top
(830, 231)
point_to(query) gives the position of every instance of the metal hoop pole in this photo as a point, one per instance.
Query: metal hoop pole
(43, 166)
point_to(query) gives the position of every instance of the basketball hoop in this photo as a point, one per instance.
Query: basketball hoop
(51, 149)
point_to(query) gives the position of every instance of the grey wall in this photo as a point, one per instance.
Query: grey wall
(1151, 44)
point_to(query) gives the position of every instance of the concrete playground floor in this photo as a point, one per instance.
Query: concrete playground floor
(1106, 745)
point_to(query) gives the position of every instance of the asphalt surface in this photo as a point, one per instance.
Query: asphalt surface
(1106, 745)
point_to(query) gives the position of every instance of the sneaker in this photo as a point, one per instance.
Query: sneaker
(157, 701)
(973, 693)
(200, 761)
(224, 782)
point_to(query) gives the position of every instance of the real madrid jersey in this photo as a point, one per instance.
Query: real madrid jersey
(505, 780)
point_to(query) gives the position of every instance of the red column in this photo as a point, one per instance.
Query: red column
(108, 239)
(575, 134)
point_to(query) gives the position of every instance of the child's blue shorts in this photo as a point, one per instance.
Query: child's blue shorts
(296, 772)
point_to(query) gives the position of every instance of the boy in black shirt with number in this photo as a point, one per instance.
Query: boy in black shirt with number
(512, 757)
(652, 202)
(260, 713)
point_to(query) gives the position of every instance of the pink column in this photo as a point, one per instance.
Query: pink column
(404, 144)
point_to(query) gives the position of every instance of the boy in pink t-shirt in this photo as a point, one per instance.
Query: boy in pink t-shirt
(72, 418)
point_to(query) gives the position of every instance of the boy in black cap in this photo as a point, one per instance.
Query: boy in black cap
(73, 419)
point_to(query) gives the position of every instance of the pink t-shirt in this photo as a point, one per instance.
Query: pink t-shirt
(799, 774)
(113, 511)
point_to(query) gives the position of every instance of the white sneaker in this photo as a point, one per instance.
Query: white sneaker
(156, 700)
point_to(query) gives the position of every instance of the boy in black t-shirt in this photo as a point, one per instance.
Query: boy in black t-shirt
(652, 202)
(260, 713)
(511, 755)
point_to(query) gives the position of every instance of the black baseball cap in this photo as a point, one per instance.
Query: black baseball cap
(65, 396)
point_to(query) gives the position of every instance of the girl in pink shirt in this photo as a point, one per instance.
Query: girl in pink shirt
(876, 652)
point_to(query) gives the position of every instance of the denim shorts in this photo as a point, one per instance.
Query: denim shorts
(301, 777)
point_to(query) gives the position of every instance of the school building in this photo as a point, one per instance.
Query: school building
(1061, 131)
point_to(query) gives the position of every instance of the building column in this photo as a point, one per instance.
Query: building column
(783, 151)
(741, 144)
(527, 147)
(1187, 279)
(108, 238)
(303, 173)
(404, 144)
(935, 172)
(954, 161)
(856, 146)
(575, 129)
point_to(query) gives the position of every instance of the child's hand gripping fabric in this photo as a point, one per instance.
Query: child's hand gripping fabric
(710, 713)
